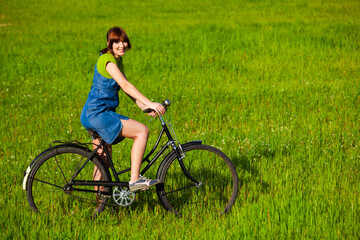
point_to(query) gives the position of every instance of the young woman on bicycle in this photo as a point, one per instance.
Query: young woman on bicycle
(98, 114)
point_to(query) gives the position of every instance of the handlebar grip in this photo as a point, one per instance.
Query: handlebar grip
(147, 110)
(166, 103)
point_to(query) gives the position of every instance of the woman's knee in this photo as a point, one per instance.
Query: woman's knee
(133, 129)
(144, 131)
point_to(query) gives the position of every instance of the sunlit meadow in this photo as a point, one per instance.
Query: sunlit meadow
(273, 84)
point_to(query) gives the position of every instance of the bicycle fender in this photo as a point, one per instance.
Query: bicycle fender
(27, 172)
(197, 142)
(38, 157)
(26, 175)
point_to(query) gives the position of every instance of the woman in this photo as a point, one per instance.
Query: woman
(99, 114)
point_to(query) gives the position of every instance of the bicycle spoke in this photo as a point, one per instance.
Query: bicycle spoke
(184, 200)
(48, 187)
(176, 190)
(218, 182)
(57, 162)
(47, 183)
(77, 167)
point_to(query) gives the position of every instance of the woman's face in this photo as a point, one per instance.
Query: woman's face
(119, 48)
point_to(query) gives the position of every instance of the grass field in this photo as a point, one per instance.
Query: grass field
(274, 84)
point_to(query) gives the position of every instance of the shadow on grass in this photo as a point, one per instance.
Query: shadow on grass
(250, 178)
(215, 190)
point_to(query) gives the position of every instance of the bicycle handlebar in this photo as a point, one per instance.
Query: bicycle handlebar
(166, 103)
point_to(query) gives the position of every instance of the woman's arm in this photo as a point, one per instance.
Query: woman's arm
(131, 90)
(138, 103)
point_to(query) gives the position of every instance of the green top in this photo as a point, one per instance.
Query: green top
(103, 60)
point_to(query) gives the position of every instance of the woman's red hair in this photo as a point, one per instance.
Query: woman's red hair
(115, 34)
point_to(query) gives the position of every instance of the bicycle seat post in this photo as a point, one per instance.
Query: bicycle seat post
(102, 143)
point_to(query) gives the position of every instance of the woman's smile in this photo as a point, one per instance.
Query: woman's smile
(119, 48)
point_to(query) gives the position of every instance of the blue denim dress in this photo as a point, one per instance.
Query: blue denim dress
(99, 113)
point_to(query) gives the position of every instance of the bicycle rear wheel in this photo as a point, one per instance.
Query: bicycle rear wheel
(48, 187)
(218, 184)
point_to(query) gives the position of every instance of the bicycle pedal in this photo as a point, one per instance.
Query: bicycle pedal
(105, 196)
(140, 190)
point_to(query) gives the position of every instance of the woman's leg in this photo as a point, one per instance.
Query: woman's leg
(139, 133)
(102, 154)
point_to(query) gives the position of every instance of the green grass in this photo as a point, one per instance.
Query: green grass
(274, 84)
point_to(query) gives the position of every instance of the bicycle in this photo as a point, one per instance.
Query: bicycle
(192, 175)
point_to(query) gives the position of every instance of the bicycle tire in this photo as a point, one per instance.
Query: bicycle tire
(47, 178)
(210, 166)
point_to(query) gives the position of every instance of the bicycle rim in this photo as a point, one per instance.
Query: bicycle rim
(218, 182)
(47, 181)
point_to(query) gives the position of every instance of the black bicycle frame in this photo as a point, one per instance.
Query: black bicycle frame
(178, 150)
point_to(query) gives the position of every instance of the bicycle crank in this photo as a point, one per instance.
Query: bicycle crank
(123, 197)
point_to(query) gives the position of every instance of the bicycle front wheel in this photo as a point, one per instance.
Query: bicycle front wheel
(215, 187)
(49, 188)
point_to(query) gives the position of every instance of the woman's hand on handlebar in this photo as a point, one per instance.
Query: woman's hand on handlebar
(155, 109)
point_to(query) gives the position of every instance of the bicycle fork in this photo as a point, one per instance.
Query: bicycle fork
(180, 156)
(178, 150)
